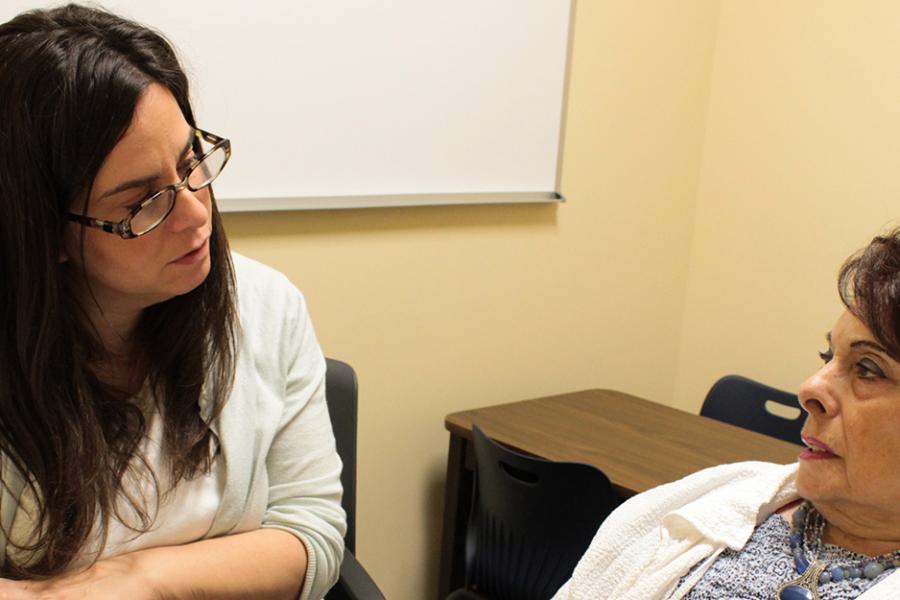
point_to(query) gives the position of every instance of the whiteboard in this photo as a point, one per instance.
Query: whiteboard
(351, 103)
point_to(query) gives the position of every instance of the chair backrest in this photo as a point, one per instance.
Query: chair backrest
(741, 401)
(532, 520)
(341, 395)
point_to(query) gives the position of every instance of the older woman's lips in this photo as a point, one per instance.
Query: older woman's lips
(815, 449)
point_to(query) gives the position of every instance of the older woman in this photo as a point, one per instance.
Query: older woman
(826, 528)
(163, 427)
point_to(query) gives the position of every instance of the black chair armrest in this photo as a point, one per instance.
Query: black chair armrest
(355, 583)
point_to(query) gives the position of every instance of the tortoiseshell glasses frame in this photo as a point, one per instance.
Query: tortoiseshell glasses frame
(150, 212)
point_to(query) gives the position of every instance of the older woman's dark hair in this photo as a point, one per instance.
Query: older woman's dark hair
(69, 82)
(869, 285)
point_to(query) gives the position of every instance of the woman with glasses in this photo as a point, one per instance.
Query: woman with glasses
(163, 428)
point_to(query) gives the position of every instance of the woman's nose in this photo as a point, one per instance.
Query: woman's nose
(818, 395)
(191, 210)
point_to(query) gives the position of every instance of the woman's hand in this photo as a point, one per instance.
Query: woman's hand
(109, 579)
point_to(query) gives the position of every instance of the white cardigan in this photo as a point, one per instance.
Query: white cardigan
(651, 541)
(280, 466)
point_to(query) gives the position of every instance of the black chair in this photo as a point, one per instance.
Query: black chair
(341, 396)
(740, 401)
(531, 522)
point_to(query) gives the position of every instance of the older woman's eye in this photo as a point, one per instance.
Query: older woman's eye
(827, 355)
(867, 369)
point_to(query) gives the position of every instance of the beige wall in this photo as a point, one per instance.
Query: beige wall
(441, 309)
(800, 168)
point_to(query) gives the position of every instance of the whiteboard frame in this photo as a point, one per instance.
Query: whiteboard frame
(242, 205)
(292, 203)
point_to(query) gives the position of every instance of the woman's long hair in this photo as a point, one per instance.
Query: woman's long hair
(69, 82)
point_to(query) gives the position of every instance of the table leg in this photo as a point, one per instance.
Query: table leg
(457, 505)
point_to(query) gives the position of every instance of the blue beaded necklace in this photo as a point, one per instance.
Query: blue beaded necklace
(807, 526)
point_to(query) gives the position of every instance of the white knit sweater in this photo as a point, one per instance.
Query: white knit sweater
(649, 543)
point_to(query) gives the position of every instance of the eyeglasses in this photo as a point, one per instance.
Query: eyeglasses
(153, 210)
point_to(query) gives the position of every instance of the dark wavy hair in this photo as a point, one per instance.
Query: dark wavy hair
(70, 78)
(869, 285)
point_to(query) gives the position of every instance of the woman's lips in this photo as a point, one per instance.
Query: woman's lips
(195, 255)
(816, 449)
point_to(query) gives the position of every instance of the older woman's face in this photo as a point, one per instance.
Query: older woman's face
(172, 259)
(853, 425)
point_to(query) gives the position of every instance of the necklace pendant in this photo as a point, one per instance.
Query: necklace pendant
(805, 587)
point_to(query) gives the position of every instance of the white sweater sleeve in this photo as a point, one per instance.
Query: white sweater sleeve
(303, 466)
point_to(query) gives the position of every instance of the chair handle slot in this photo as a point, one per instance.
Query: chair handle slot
(783, 411)
(520, 475)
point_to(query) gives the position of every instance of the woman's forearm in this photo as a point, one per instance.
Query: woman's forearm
(265, 564)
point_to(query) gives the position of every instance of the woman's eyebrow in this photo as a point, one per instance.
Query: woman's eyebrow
(861, 343)
(869, 344)
(142, 182)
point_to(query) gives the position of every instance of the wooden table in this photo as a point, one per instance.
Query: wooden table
(638, 444)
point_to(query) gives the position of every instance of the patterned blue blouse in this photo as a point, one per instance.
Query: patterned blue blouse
(764, 563)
